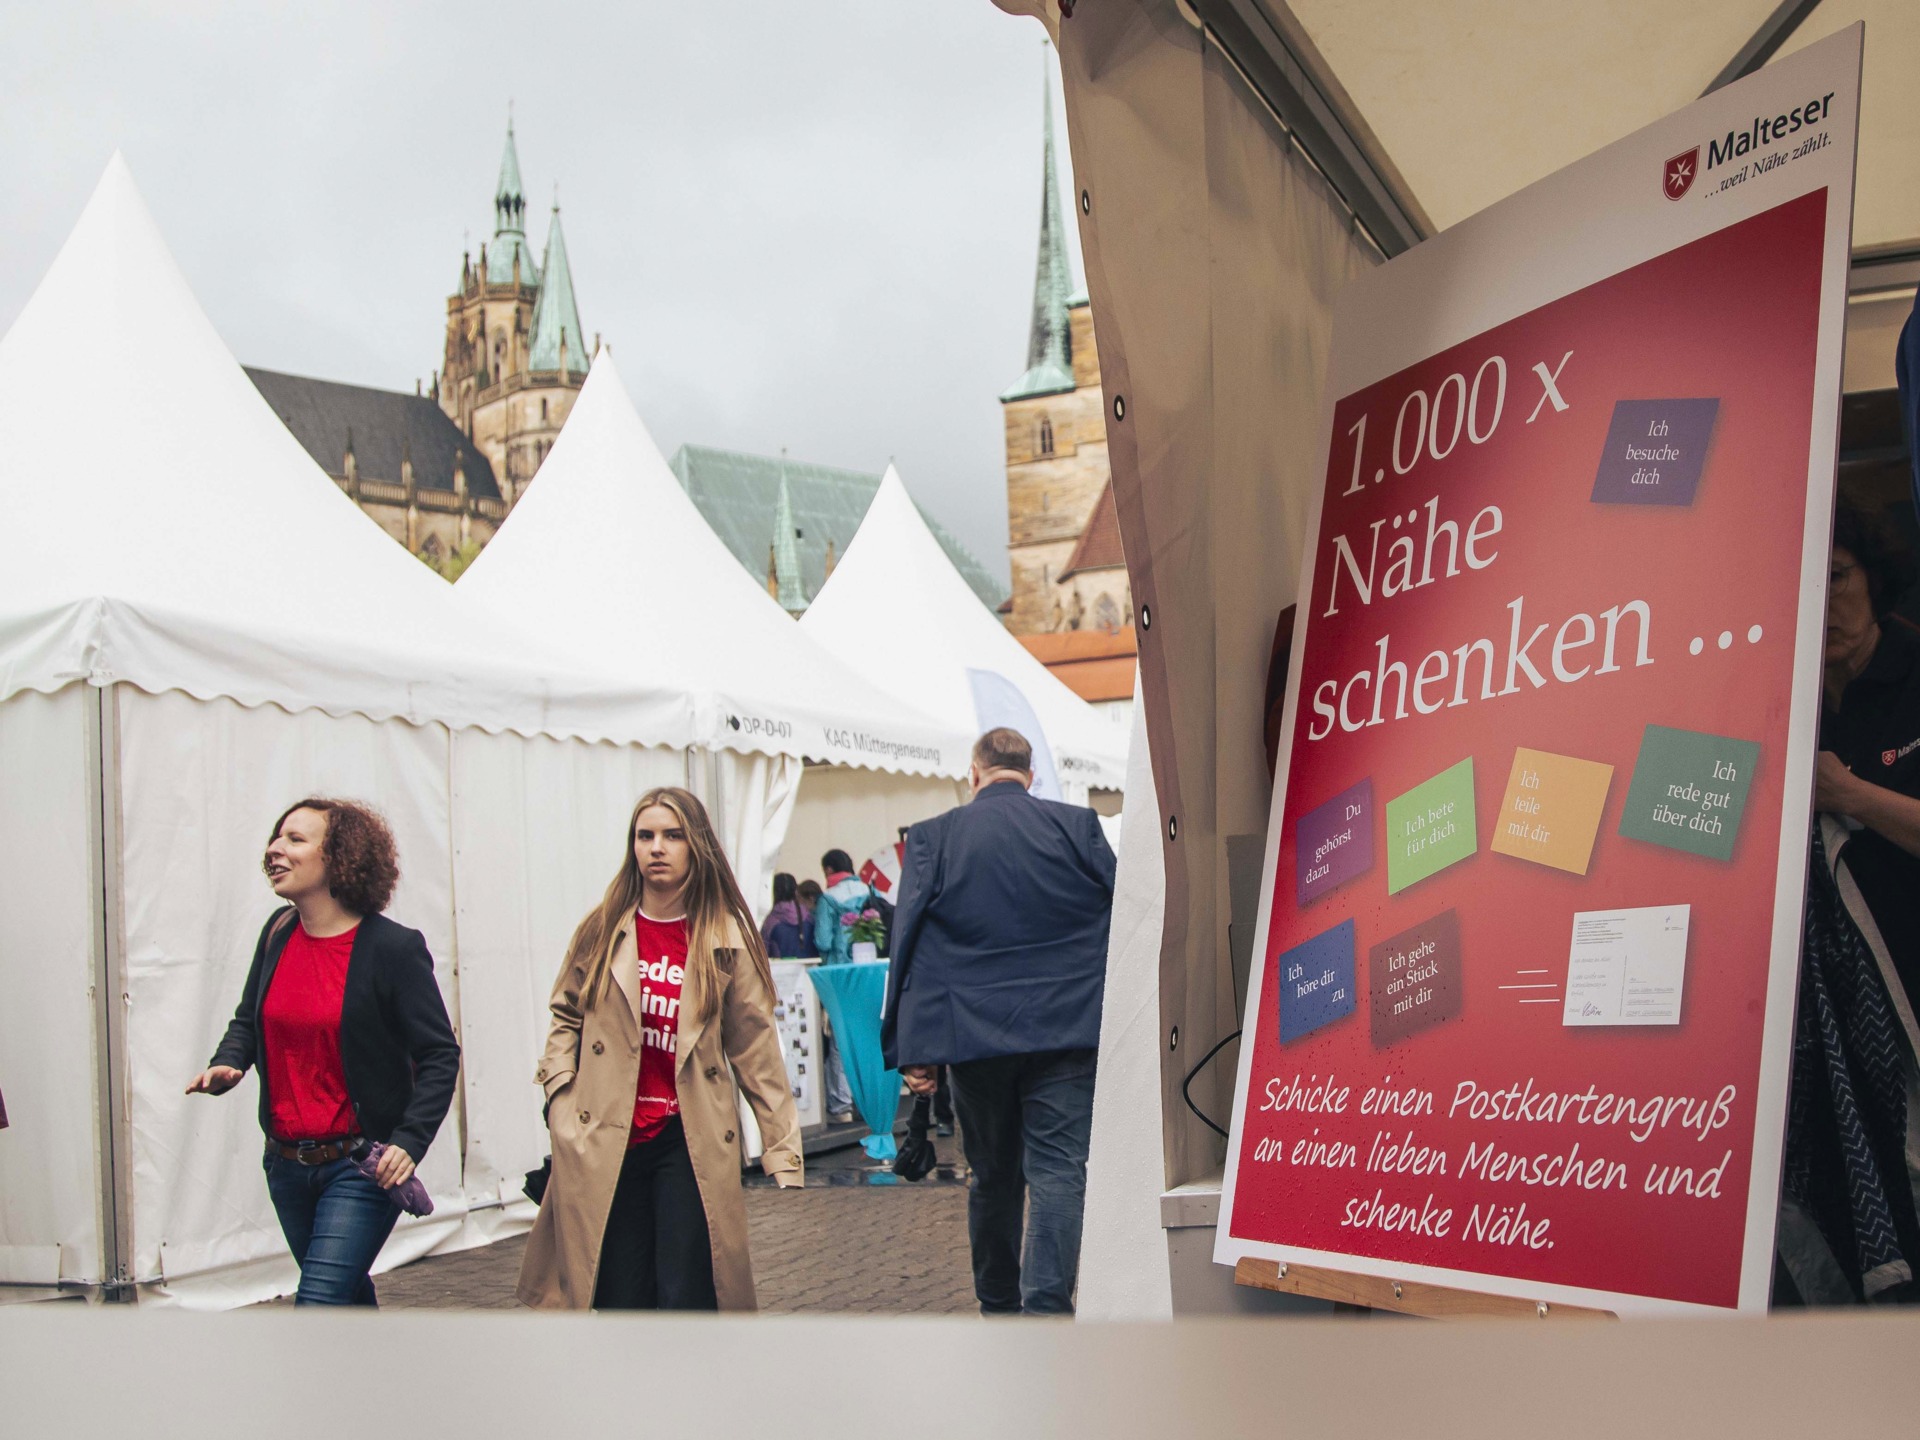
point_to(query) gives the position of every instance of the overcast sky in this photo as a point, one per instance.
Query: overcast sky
(808, 225)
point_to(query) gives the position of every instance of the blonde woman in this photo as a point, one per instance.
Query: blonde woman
(665, 999)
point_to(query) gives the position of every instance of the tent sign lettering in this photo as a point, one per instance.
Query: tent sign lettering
(1561, 619)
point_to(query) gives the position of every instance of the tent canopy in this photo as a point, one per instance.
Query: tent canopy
(1458, 106)
(176, 536)
(606, 554)
(896, 610)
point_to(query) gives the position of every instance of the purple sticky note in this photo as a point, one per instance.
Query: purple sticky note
(1655, 452)
(1334, 842)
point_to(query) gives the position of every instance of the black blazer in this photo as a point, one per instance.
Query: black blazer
(1000, 936)
(396, 1046)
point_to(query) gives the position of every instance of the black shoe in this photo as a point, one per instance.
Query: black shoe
(944, 1127)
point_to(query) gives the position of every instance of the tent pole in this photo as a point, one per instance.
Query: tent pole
(109, 987)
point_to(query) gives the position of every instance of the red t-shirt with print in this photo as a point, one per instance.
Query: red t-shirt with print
(661, 949)
(306, 1084)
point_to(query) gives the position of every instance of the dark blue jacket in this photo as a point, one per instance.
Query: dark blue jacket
(1000, 939)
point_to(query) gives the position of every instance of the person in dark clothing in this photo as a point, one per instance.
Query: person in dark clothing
(344, 1020)
(781, 930)
(1868, 771)
(1849, 1220)
(998, 969)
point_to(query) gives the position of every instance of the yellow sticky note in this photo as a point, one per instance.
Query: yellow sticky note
(1552, 809)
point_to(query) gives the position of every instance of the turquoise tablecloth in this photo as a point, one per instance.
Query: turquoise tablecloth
(853, 995)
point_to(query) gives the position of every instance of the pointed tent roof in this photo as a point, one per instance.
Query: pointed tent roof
(605, 553)
(555, 317)
(510, 222)
(895, 580)
(1049, 341)
(786, 552)
(149, 513)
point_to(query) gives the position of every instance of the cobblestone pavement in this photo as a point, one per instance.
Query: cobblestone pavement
(839, 1245)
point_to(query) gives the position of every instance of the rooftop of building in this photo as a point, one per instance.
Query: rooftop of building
(384, 427)
(739, 494)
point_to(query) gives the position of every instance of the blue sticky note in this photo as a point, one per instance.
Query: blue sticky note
(1316, 982)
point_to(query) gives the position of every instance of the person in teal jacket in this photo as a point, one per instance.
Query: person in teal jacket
(846, 893)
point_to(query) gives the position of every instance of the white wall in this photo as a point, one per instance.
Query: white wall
(857, 811)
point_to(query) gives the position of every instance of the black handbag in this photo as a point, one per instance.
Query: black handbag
(535, 1186)
(915, 1159)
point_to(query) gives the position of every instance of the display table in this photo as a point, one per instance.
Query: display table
(854, 996)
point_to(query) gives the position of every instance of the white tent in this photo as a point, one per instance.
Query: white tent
(197, 627)
(606, 554)
(896, 610)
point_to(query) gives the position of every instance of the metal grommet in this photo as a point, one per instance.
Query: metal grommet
(1541, 1309)
(1396, 1289)
(1119, 407)
(1173, 827)
(585, 1116)
(1146, 617)
(1281, 1269)
(1086, 203)
(1173, 1039)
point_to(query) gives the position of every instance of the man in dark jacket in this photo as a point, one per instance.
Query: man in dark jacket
(999, 963)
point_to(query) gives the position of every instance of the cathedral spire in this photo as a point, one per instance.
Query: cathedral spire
(557, 338)
(1049, 340)
(510, 222)
(786, 550)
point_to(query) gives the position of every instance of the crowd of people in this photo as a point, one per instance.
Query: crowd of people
(662, 1012)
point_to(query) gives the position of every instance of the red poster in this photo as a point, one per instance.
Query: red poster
(1532, 895)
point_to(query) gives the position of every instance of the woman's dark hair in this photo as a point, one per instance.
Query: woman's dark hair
(807, 891)
(362, 863)
(1866, 535)
(836, 860)
(783, 888)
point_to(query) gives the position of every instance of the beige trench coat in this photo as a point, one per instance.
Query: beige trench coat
(590, 1072)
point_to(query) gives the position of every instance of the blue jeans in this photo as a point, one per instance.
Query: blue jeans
(1025, 1123)
(335, 1220)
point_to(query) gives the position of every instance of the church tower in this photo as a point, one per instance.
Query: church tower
(515, 356)
(1056, 444)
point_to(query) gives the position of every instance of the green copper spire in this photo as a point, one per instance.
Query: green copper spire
(786, 550)
(510, 223)
(556, 319)
(1050, 341)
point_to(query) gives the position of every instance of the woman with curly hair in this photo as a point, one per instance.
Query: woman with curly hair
(665, 999)
(343, 1017)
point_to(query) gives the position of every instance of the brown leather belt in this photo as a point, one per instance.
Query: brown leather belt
(313, 1152)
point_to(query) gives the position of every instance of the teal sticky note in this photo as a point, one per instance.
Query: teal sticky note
(1689, 790)
(1430, 827)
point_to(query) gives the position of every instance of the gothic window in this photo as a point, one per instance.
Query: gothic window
(1106, 614)
(1043, 444)
(543, 412)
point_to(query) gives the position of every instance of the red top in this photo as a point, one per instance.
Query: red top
(306, 1086)
(661, 948)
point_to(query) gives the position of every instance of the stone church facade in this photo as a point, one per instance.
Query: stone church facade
(440, 469)
(1063, 542)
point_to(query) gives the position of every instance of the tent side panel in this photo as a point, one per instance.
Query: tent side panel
(1213, 255)
(857, 811)
(201, 784)
(541, 827)
(754, 806)
(49, 1174)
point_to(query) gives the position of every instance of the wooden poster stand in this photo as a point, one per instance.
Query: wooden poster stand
(1405, 1297)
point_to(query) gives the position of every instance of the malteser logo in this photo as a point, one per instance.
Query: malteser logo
(1680, 172)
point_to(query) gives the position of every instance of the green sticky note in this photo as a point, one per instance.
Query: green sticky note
(1689, 790)
(1430, 827)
